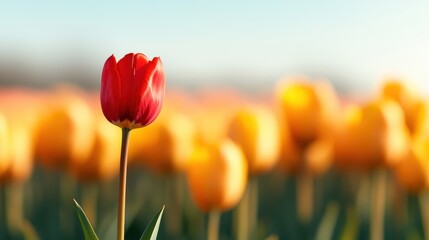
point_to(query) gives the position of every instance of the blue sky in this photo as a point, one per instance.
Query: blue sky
(353, 43)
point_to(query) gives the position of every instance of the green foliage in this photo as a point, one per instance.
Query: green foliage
(88, 231)
(151, 231)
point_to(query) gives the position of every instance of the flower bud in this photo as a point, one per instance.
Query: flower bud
(19, 154)
(166, 145)
(255, 130)
(132, 90)
(217, 176)
(307, 109)
(372, 135)
(64, 131)
(413, 172)
(407, 98)
(102, 163)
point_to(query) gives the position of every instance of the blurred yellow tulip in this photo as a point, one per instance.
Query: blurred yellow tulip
(166, 145)
(307, 108)
(64, 131)
(217, 176)
(17, 126)
(413, 172)
(372, 135)
(19, 154)
(410, 101)
(255, 130)
(420, 118)
(102, 163)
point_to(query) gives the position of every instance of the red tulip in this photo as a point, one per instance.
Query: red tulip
(132, 90)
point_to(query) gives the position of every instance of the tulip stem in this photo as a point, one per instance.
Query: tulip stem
(424, 206)
(378, 205)
(305, 195)
(213, 225)
(122, 184)
(253, 204)
(14, 207)
(243, 210)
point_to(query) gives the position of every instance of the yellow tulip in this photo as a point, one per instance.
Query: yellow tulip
(17, 128)
(217, 176)
(64, 131)
(102, 162)
(164, 146)
(413, 172)
(372, 135)
(19, 154)
(255, 130)
(307, 109)
(409, 100)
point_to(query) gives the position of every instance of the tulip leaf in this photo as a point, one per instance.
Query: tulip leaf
(88, 231)
(151, 231)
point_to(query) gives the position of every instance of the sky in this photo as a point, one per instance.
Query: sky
(250, 44)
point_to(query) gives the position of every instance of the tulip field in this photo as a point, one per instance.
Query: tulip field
(302, 161)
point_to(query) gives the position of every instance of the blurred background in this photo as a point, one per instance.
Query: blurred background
(249, 45)
(369, 59)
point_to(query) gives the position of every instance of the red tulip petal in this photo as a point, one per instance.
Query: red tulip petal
(140, 60)
(126, 72)
(152, 88)
(110, 90)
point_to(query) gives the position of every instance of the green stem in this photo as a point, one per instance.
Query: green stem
(378, 205)
(213, 228)
(253, 207)
(242, 215)
(305, 196)
(424, 206)
(14, 210)
(122, 184)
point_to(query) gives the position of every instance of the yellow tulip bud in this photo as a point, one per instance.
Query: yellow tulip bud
(64, 132)
(409, 100)
(307, 108)
(102, 163)
(217, 176)
(255, 130)
(19, 154)
(413, 172)
(166, 145)
(16, 129)
(372, 135)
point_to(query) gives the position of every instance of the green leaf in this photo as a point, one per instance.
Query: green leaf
(151, 231)
(88, 231)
